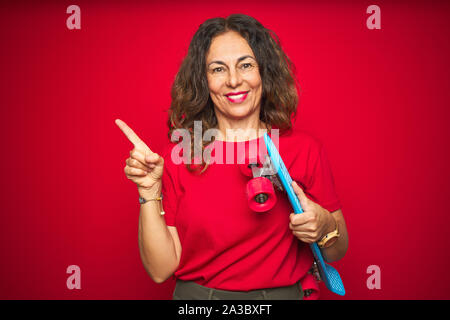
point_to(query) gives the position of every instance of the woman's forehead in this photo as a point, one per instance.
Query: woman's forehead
(228, 47)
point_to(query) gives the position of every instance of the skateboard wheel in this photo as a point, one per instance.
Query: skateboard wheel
(260, 194)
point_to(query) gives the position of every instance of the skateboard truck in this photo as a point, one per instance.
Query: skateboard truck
(266, 171)
(315, 271)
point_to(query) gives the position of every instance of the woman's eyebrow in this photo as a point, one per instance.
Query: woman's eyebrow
(238, 60)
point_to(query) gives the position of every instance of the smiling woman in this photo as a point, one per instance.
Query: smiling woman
(235, 78)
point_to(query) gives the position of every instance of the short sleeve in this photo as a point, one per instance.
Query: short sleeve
(169, 191)
(321, 187)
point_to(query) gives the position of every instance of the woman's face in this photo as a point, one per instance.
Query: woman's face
(233, 77)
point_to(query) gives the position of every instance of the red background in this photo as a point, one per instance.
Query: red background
(377, 99)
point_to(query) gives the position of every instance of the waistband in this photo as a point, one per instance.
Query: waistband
(190, 290)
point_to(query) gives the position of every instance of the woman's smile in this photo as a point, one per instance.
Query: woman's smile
(237, 97)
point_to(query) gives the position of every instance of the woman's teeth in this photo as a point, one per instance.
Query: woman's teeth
(238, 96)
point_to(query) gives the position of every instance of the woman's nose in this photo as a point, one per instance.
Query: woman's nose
(234, 78)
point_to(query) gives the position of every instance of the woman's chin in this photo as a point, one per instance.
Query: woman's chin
(239, 113)
(238, 116)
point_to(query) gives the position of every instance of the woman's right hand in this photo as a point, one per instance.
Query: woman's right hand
(143, 167)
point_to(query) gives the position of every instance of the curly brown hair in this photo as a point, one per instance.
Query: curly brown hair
(191, 100)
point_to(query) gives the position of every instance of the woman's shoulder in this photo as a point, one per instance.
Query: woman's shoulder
(300, 138)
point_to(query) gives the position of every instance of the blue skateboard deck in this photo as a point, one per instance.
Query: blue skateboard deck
(328, 274)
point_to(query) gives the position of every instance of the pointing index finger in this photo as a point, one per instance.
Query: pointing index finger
(130, 134)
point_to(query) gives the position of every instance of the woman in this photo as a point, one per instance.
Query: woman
(235, 76)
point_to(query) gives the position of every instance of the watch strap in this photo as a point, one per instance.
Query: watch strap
(143, 200)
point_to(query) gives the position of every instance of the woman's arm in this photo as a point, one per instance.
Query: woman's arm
(338, 249)
(159, 247)
(159, 244)
(315, 222)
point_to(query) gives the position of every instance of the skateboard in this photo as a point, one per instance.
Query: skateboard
(261, 198)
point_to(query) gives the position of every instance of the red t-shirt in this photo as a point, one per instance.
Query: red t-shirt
(226, 245)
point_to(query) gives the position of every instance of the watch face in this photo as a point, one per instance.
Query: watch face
(330, 242)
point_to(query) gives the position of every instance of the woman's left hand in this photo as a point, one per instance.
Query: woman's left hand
(313, 223)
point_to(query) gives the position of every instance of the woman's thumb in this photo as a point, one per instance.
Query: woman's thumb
(151, 157)
(300, 194)
(154, 159)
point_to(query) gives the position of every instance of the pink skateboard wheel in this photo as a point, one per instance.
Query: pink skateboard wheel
(260, 194)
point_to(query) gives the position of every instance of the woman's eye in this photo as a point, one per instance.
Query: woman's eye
(218, 69)
(246, 65)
